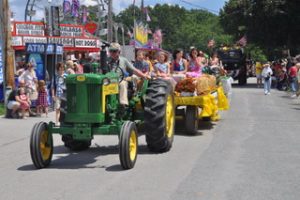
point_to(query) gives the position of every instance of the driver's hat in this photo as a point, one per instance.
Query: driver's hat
(115, 47)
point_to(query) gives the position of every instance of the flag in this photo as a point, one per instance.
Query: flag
(148, 19)
(243, 41)
(211, 43)
(84, 15)
(130, 34)
(66, 6)
(75, 8)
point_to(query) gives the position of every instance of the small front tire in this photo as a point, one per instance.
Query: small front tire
(41, 145)
(128, 145)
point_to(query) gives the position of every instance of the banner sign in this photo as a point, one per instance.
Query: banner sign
(29, 29)
(71, 31)
(1, 65)
(35, 48)
(141, 33)
(85, 43)
(34, 40)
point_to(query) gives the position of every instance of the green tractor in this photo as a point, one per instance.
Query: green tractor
(91, 107)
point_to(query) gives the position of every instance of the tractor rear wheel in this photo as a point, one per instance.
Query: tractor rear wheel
(41, 145)
(128, 145)
(159, 116)
(75, 145)
(191, 120)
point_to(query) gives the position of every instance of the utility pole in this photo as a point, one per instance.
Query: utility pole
(110, 22)
(8, 52)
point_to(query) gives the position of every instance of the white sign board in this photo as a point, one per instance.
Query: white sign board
(34, 40)
(86, 43)
(29, 29)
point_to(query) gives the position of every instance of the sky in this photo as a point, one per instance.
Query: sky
(18, 6)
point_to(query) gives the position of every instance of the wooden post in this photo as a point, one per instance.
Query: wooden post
(8, 52)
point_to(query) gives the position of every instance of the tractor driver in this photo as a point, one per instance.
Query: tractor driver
(114, 61)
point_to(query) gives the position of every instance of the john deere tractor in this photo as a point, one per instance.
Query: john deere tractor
(91, 107)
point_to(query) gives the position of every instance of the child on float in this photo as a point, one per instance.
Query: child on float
(143, 65)
(162, 68)
(42, 101)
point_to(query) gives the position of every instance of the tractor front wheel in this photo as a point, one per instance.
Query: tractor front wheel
(128, 145)
(41, 145)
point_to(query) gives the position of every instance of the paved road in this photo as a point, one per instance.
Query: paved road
(252, 153)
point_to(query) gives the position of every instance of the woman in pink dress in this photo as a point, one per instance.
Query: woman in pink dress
(194, 67)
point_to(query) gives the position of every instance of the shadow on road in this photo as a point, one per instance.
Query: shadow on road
(202, 126)
(247, 86)
(82, 159)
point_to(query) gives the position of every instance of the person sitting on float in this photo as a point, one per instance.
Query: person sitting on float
(143, 65)
(178, 65)
(162, 68)
(194, 67)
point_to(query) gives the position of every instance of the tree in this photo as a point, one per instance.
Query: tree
(181, 28)
(272, 24)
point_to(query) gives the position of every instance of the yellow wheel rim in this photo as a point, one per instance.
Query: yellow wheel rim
(170, 116)
(132, 145)
(44, 147)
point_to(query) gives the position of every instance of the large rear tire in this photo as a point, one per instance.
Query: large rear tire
(128, 145)
(41, 145)
(159, 116)
(191, 120)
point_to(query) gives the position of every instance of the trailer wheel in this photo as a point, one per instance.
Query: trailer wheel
(41, 145)
(191, 120)
(159, 116)
(128, 145)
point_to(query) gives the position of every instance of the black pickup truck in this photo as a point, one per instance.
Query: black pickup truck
(234, 62)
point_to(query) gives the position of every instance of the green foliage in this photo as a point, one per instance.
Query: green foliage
(256, 53)
(267, 23)
(181, 28)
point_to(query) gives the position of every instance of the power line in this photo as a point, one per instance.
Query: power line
(198, 6)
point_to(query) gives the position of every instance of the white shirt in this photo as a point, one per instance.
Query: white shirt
(266, 71)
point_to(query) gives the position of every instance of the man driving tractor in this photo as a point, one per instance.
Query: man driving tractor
(115, 61)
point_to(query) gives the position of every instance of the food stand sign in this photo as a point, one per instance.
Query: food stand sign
(71, 31)
(29, 29)
(86, 43)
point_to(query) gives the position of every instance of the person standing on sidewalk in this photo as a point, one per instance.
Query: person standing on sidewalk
(267, 76)
(58, 86)
(293, 71)
(258, 70)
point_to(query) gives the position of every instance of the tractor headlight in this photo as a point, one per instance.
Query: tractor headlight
(106, 81)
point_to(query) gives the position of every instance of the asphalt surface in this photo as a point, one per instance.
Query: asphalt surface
(251, 153)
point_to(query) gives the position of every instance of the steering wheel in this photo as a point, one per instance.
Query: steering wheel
(121, 73)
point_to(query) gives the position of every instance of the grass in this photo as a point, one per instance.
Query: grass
(1, 109)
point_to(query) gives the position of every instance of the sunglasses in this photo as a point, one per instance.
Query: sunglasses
(113, 51)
